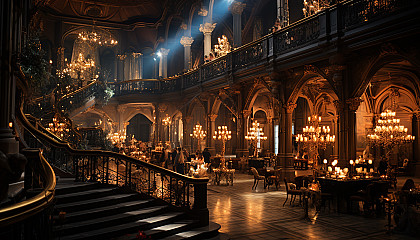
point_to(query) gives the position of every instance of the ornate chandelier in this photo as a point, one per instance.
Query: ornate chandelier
(222, 134)
(388, 131)
(255, 135)
(102, 38)
(311, 7)
(315, 134)
(199, 134)
(58, 128)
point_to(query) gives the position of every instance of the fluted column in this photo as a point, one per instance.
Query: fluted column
(287, 154)
(349, 130)
(163, 63)
(120, 66)
(207, 29)
(186, 42)
(270, 131)
(136, 70)
(236, 8)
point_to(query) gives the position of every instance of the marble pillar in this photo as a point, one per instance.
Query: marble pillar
(186, 42)
(163, 63)
(236, 8)
(207, 29)
(211, 127)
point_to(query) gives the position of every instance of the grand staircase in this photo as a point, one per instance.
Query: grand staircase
(99, 211)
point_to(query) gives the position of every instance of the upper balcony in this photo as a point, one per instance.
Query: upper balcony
(349, 24)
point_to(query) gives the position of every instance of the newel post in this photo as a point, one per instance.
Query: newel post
(200, 211)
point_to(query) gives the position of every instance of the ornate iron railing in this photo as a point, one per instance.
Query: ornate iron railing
(355, 13)
(114, 168)
(77, 98)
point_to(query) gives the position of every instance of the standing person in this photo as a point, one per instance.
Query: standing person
(173, 158)
(206, 155)
(179, 161)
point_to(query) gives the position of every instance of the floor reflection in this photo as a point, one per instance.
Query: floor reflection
(247, 214)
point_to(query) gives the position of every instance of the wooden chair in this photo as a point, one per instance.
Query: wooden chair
(274, 179)
(257, 178)
(292, 192)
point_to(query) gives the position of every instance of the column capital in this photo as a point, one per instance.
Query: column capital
(290, 107)
(162, 108)
(164, 51)
(186, 41)
(212, 117)
(136, 55)
(207, 28)
(246, 113)
(354, 103)
(121, 57)
(236, 8)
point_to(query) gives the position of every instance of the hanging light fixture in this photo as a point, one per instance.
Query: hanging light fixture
(311, 7)
(99, 37)
(389, 132)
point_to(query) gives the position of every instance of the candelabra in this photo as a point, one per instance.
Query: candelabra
(199, 134)
(117, 138)
(388, 132)
(255, 135)
(58, 128)
(311, 7)
(315, 136)
(223, 47)
(166, 122)
(223, 135)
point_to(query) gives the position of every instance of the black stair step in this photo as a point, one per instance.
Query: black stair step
(85, 195)
(120, 230)
(69, 186)
(206, 232)
(104, 222)
(95, 203)
(170, 229)
(107, 210)
(163, 230)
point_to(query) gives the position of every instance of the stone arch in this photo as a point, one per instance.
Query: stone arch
(379, 62)
(257, 88)
(384, 96)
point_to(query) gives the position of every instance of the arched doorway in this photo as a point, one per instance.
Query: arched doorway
(140, 127)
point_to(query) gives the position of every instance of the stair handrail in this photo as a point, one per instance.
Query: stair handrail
(153, 180)
(21, 211)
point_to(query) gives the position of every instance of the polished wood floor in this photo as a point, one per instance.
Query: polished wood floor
(259, 214)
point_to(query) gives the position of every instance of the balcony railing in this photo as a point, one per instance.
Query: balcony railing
(340, 17)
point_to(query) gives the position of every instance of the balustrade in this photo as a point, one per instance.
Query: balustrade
(118, 169)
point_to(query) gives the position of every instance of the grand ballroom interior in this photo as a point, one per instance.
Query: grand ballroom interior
(210, 119)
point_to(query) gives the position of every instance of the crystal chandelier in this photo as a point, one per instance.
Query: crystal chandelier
(388, 131)
(255, 135)
(101, 38)
(315, 134)
(222, 134)
(311, 7)
(117, 138)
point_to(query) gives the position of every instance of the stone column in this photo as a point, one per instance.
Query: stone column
(283, 12)
(270, 134)
(163, 63)
(207, 29)
(287, 154)
(136, 66)
(242, 149)
(186, 121)
(416, 134)
(236, 8)
(8, 143)
(186, 42)
(350, 127)
(211, 127)
(120, 67)
(120, 110)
